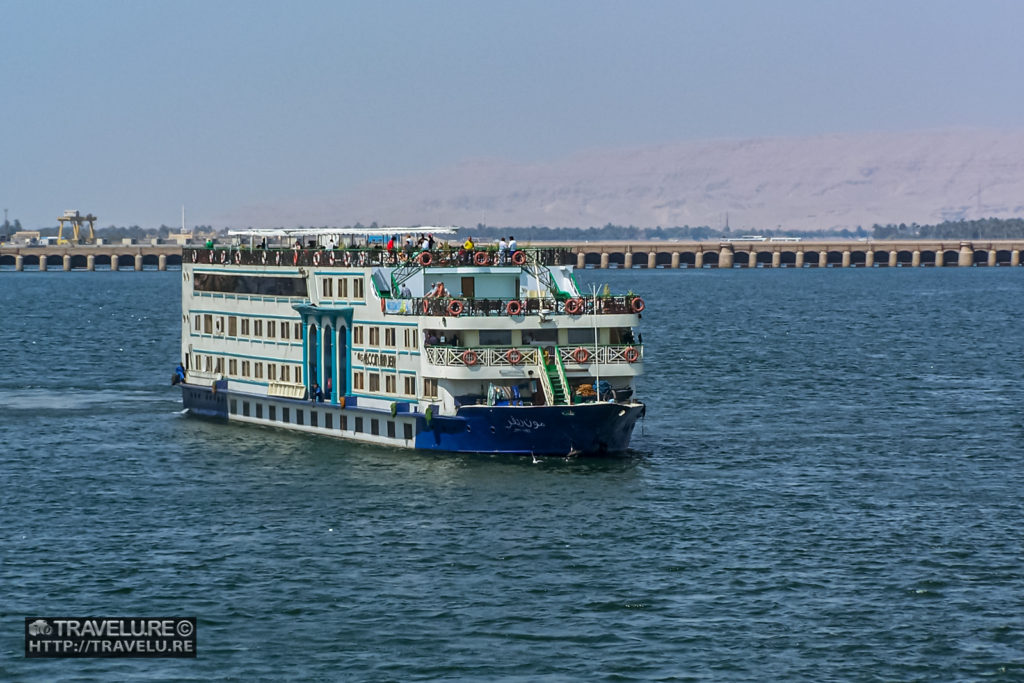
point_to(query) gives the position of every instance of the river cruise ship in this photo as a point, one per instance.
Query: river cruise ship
(434, 346)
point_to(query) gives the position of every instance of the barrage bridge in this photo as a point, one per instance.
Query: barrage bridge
(624, 254)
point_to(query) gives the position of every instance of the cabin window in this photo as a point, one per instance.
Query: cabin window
(329, 421)
(219, 366)
(540, 337)
(389, 336)
(284, 330)
(359, 424)
(343, 424)
(245, 408)
(407, 430)
(245, 368)
(297, 331)
(245, 327)
(272, 412)
(495, 337)
(391, 428)
(374, 426)
(298, 374)
(357, 334)
(259, 411)
(199, 323)
(409, 385)
(357, 288)
(374, 382)
(314, 418)
(207, 324)
(390, 384)
(343, 287)
(285, 415)
(209, 363)
(357, 380)
(430, 387)
(232, 326)
(233, 366)
(257, 328)
(328, 284)
(374, 336)
(258, 368)
(299, 419)
(271, 372)
(285, 373)
(197, 362)
(233, 409)
(271, 329)
(579, 335)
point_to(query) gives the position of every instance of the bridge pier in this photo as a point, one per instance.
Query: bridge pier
(698, 260)
(915, 259)
(752, 260)
(776, 259)
(799, 259)
(674, 263)
(869, 259)
(725, 257)
(114, 262)
(604, 259)
(823, 259)
(1015, 257)
(652, 260)
(90, 262)
(161, 262)
(19, 263)
(581, 260)
(627, 260)
(847, 258)
(893, 258)
(940, 256)
(42, 263)
(966, 257)
(992, 257)
(138, 262)
(67, 262)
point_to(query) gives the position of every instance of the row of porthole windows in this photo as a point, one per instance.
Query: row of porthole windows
(245, 369)
(316, 418)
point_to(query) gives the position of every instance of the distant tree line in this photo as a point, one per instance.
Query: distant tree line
(985, 228)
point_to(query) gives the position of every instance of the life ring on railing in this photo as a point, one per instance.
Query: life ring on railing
(295, 257)
(223, 257)
(513, 307)
(480, 258)
(425, 306)
(631, 355)
(637, 305)
(425, 259)
(238, 257)
(519, 257)
(455, 308)
(195, 256)
(330, 257)
(277, 259)
(573, 306)
(514, 357)
(316, 258)
(580, 355)
(263, 257)
(469, 357)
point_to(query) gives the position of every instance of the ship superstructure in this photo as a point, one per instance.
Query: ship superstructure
(437, 346)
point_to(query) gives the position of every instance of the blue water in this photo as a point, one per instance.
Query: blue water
(827, 487)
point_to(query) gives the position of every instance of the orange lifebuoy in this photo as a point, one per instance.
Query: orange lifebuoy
(316, 258)
(469, 357)
(455, 308)
(519, 257)
(514, 357)
(295, 257)
(637, 305)
(425, 306)
(238, 257)
(195, 256)
(425, 258)
(631, 355)
(480, 258)
(513, 308)
(330, 257)
(580, 355)
(573, 306)
(277, 259)
(223, 256)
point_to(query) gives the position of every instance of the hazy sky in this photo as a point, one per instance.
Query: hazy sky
(131, 109)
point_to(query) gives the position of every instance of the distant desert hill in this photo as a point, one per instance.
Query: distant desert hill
(823, 182)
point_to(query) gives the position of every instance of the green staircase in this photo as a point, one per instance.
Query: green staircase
(556, 379)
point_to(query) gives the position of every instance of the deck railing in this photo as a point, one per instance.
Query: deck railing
(364, 258)
(583, 306)
(503, 356)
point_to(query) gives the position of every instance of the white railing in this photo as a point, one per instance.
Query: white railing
(492, 356)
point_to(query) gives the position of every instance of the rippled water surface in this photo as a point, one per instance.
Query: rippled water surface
(828, 486)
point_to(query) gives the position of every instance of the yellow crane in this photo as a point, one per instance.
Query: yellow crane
(77, 221)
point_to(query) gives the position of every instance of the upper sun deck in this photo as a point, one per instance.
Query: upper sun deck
(443, 256)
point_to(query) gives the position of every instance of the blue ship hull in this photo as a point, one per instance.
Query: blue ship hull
(589, 429)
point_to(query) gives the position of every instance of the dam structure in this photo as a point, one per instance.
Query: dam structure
(738, 253)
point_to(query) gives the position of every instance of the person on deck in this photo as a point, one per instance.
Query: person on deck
(317, 393)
